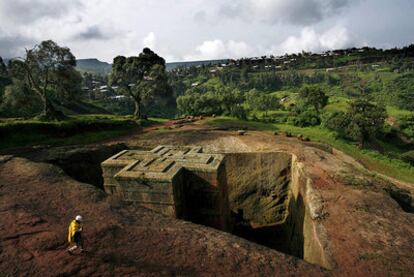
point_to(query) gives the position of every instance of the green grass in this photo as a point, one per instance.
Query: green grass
(19, 140)
(372, 160)
(158, 120)
(396, 112)
(80, 129)
(337, 103)
(232, 123)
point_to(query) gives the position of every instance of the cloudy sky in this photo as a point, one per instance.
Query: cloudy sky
(203, 29)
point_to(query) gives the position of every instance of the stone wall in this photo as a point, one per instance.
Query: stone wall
(274, 204)
(258, 185)
(316, 246)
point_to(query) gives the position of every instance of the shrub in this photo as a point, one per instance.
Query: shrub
(239, 112)
(407, 125)
(313, 96)
(307, 118)
(336, 121)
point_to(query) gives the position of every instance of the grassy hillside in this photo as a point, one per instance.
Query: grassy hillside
(98, 67)
(269, 93)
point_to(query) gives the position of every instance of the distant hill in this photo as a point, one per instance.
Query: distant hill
(96, 66)
(93, 66)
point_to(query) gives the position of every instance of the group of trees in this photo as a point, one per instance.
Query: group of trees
(222, 100)
(363, 121)
(47, 75)
(219, 101)
(272, 80)
(245, 78)
(260, 101)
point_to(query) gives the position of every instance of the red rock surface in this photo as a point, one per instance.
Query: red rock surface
(368, 231)
(37, 202)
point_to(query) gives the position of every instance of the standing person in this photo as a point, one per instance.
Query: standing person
(75, 234)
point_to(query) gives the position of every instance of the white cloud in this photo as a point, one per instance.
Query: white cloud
(217, 49)
(150, 41)
(201, 29)
(240, 49)
(311, 41)
(212, 49)
(308, 40)
(298, 12)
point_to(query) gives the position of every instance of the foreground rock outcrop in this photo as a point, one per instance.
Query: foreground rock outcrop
(38, 200)
(365, 219)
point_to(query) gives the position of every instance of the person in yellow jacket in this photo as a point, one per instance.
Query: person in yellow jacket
(75, 234)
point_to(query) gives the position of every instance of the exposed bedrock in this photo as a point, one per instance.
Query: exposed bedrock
(82, 163)
(274, 204)
(263, 197)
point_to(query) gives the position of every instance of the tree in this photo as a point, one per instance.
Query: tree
(19, 100)
(4, 77)
(313, 96)
(70, 85)
(307, 118)
(366, 119)
(231, 101)
(337, 121)
(44, 70)
(140, 77)
(261, 101)
(196, 103)
(3, 68)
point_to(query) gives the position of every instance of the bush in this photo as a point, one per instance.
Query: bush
(313, 96)
(336, 121)
(407, 125)
(307, 118)
(239, 112)
(18, 101)
(199, 104)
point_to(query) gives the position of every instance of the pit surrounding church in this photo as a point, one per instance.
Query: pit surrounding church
(263, 197)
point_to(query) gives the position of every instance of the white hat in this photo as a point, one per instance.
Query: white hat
(78, 218)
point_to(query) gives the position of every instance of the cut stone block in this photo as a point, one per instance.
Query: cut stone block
(182, 182)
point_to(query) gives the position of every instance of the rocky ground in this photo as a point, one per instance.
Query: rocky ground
(370, 233)
(38, 201)
(368, 221)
